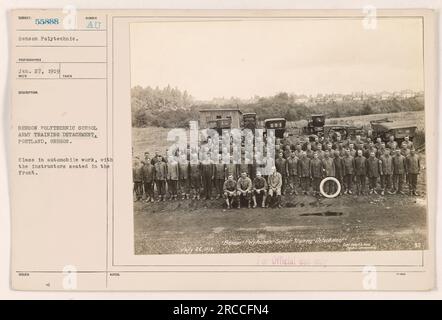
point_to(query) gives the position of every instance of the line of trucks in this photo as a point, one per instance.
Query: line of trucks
(316, 126)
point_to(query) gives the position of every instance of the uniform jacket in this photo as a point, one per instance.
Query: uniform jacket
(309, 154)
(353, 153)
(244, 184)
(370, 150)
(292, 166)
(399, 164)
(275, 181)
(360, 166)
(374, 167)
(148, 172)
(137, 174)
(229, 185)
(316, 167)
(281, 166)
(287, 153)
(392, 145)
(320, 154)
(220, 171)
(259, 183)
(349, 165)
(184, 171)
(207, 170)
(195, 170)
(329, 167)
(304, 167)
(405, 152)
(409, 144)
(173, 171)
(387, 165)
(413, 164)
(339, 167)
(160, 170)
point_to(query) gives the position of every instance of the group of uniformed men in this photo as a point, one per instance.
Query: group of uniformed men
(300, 164)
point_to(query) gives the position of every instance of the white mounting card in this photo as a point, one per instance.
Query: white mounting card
(187, 150)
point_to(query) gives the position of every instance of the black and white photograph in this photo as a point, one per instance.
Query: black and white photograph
(278, 135)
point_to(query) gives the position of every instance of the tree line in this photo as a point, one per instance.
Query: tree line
(170, 108)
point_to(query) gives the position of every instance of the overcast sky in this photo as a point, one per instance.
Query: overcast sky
(247, 58)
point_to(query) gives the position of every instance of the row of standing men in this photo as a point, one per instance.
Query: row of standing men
(301, 169)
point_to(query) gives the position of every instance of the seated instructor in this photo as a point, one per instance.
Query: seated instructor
(229, 191)
(244, 189)
(259, 189)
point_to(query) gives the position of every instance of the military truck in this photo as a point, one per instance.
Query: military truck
(385, 128)
(346, 131)
(249, 121)
(278, 124)
(315, 124)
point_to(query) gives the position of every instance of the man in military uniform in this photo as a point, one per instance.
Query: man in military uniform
(329, 148)
(172, 177)
(148, 172)
(360, 172)
(316, 172)
(381, 150)
(405, 151)
(259, 190)
(413, 169)
(244, 189)
(281, 167)
(320, 152)
(316, 143)
(386, 171)
(352, 150)
(137, 177)
(298, 150)
(308, 151)
(287, 151)
(329, 169)
(391, 144)
(374, 168)
(304, 172)
(156, 157)
(408, 143)
(349, 170)
(339, 169)
(195, 176)
(146, 157)
(370, 148)
(378, 143)
(358, 143)
(398, 171)
(292, 167)
(160, 177)
(275, 185)
(183, 169)
(220, 173)
(229, 188)
(207, 172)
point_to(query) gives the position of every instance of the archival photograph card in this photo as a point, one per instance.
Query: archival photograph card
(223, 150)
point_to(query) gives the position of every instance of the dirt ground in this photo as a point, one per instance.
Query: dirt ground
(304, 224)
